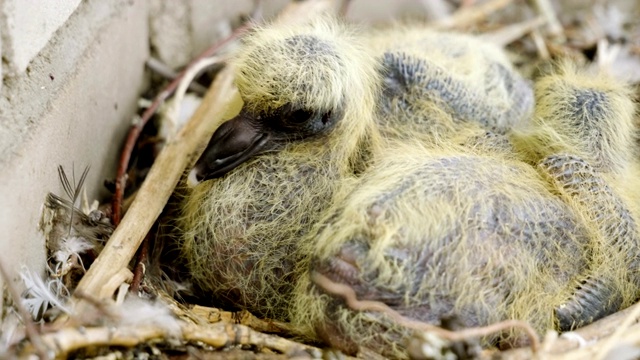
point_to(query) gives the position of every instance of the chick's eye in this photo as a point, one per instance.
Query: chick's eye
(299, 117)
(326, 117)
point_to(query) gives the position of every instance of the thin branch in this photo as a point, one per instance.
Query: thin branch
(510, 33)
(139, 269)
(470, 15)
(350, 298)
(165, 71)
(344, 7)
(214, 315)
(174, 104)
(553, 24)
(219, 336)
(541, 45)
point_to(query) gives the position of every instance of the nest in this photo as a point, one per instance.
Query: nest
(91, 322)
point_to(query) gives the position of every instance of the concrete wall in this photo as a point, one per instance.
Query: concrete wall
(28, 26)
(68, 104)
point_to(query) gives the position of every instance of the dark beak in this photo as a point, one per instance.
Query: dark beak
(233, 143)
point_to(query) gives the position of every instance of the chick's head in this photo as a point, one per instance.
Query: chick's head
(296, 83)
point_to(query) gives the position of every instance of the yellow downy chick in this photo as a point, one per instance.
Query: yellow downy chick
(316, 101)
(306, 124)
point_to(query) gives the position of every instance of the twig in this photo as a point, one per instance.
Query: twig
(350, 298)
(508, 34)
(214, 315)
(174, 105)
(469, 15)
(33, 334)
(156, 189)
(258, 10)
(219, 336)
(553, 24)
(541, 45)
(136, 129)
(222, 335)
(165, 71)
(138, 272)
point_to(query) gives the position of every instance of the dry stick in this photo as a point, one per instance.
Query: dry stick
(226, 334)
(136, 129)
(541, 45)
(168, 168)
(510, 33)
(138, 272)
(165, 71)
(214, 315)
(437, 9)
(173, 110)
(218, 336)
(553, 24)
(29, 326)
(472, 14)
(349, 296)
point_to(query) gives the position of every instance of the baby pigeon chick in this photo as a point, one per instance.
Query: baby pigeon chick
(308, 93)
(436, 234)
(583, 138)
(315, 102)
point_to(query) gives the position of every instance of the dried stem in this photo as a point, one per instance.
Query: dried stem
(470, 15)
(138, 271)
(510, 33)
(165, 71)
(541, 45)
(344, 8)
(222, 335)
(553, 24)
(564, 346)
(350, 298)
(157, 188)
(214, 315)
(189, 75)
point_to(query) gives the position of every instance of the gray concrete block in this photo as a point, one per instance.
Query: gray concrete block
(27, 26)
(181, 30)
(72, 107)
